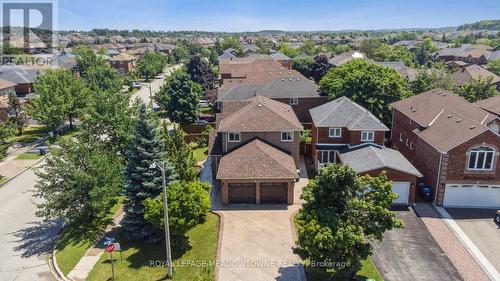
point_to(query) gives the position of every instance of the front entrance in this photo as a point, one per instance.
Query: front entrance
(241, 193)
(274, 193)
(325, 157)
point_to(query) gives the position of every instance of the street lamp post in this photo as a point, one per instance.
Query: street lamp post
(165, 217)
(150, 95)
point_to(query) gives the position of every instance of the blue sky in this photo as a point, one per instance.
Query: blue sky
(254, 15)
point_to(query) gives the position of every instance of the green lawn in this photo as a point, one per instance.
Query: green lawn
(30, 134)
(206, 110)
(200, 153)
(28, 156)
(69, 253)
(3, 179)
(138, 256)
(368, 271)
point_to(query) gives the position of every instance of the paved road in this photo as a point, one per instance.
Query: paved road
(412, 254)
(25, 240)
(479, 226)
(144, 94)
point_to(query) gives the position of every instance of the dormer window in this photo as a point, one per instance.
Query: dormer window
(367, 136)
(294, 101)
(233, 137)
(481, 158)
(335, 132)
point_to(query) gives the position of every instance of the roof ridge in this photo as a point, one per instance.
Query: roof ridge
(258, 143)
(337, 101)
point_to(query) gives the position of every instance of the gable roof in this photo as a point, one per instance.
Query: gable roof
(226, 56)
(18, 75)
(257, 159)
(238, 93)
(491, 104)
(371, 158)
(279, 56)
(289, 87)
(122, 57)
(4, 84)
(400, 67)
(343, 112)
(425, 107)
(261, 115)
(466, 73)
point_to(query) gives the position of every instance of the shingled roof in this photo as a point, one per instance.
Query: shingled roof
(257, 160)
(343, 112)
(261, 115)
(425, 107)
(491, 104)
(371, 158)
(466, 73)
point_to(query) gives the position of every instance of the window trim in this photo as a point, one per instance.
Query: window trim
(368, 132)
(477, 152)
(289, 132)
(334, 135)
(294, 101)
(236, 134)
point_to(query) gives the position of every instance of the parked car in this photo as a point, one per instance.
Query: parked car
(159, 76)
(201, 122)
(424, 191)
(497, 217)
(207, 117)
(204, 104)
(136, 84)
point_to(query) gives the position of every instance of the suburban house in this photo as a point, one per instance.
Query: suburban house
(475, 54)
(123, 63)
(282, 59)
(22, 77)
(255, 151)
(346, 57)
(297, 91)
(491, 105)
(454, 144)
(464, 74)
(346, 133)
(404, 70)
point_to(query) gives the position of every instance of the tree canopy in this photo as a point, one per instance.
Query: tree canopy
(150, 64)
(201, 72)
(494, 66)
(431, 78)
(478, 89)
(320, 67)
(372, 86)
(179, 98)
(304, 65)
(341, 215)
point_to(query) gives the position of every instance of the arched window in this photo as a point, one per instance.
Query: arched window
(481, 158)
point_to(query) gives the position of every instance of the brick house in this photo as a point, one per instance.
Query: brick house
(255, 151)
(491, 105)
(23, 78)
(123, 63)
(455, 144)
(6, 87)
(344, 132)
(298, 92)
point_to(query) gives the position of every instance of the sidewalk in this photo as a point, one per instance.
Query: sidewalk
(92, 256)
(456, 252)
(11, 167)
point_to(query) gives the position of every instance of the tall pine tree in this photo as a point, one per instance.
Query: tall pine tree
(143, 182)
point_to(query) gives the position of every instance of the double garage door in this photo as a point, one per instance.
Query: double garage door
(245, 193)
(472, 196)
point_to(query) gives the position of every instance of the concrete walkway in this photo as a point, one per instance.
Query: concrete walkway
(11, 167)
(257, 240)
(454, 250)
(92, 256)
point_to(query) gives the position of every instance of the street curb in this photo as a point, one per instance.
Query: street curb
(22, 171)
(219, 242)
(295, 237)
(476, 254)
(58, 274)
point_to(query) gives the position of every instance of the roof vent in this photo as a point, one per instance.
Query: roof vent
(472, 127)
(449, 116)
(458, 120)
(270, 73)
(282, 79)
(260, 105)
(413, 109)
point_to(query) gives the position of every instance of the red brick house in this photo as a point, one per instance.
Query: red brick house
(344, 132)
(255, 151)
(123, 63)
(454, 144)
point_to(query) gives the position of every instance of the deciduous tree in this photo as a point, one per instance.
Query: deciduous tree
(478, 89)
(201, 72)
(16, 112)
(320, 67)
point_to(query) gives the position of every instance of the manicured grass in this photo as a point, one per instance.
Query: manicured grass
(368, 271)
(28, 156)
(138, 257)
(30, 134)
(200, 154)
(206, 110)
(69, 253)
(3, 179)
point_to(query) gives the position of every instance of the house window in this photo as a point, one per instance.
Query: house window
(233, 137)
(287, 136)
(294, 101)
(325, 157)
(406, 142)
(400, 137)
(481, 158)
(367, 135)
(335, 132)
(411, 145)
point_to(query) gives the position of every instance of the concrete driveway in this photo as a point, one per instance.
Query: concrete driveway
(257, 240)
(479, 226)
(411, 253)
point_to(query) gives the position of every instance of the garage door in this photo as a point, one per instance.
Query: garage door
(241, 193)
(472, 196)
(275, 193)
(402, 188)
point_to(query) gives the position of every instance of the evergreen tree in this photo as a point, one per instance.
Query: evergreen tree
(201, 72)
(143, 182)
(320, 67)
(178, 152)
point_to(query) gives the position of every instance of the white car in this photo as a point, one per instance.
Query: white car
(136, 84)
(159, 76)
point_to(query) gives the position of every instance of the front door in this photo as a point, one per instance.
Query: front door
(325, 157)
